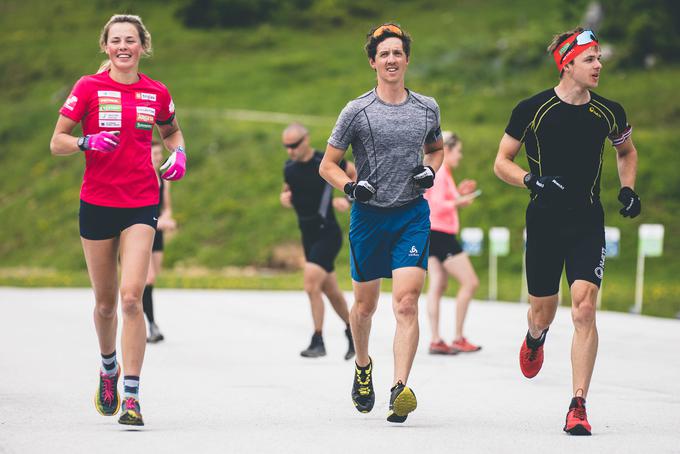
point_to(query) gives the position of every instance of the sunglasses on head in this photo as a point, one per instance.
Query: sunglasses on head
(294, 145)
(585, 37)
(387, 28)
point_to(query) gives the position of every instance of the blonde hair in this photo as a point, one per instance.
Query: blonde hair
(144, 36)
(450, 139)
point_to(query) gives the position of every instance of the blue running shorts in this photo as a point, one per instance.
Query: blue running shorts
(384, 239)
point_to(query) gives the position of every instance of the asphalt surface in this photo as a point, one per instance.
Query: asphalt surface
(229, 378)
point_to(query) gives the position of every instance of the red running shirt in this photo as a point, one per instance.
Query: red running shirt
(124, 178)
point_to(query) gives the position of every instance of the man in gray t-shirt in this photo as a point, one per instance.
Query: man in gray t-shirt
(396, 141)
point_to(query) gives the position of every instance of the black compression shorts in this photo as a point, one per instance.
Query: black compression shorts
(103, 223)
(322, 245)
(444, 245)
(558, 238)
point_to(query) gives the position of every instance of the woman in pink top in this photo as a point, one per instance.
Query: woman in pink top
(117, 108)
(446, 254)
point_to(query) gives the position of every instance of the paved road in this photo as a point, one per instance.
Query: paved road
(229, 379)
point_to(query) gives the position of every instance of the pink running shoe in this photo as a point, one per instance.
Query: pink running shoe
(441, 348)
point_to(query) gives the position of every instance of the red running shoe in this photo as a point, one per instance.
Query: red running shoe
(577, 420)
(530, 360)
(441, 348)
(462, 345)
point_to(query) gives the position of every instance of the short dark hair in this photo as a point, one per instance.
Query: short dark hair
(372, 42)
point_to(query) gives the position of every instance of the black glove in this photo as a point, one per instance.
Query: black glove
(361, 191)
(423, 176)
(630, 201)
(549, 189)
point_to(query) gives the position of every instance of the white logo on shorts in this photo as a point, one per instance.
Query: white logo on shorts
(413, 252)
(599, 270)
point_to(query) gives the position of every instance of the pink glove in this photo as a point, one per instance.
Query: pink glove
(176, 165)
(103, 141)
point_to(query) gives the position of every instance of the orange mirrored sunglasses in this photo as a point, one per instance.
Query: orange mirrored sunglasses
(389, 28)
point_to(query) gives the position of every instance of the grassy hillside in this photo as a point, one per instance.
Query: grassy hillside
(477, 58)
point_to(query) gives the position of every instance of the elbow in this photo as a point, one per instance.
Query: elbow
(323, 170)
(497, 168)
(53, 147)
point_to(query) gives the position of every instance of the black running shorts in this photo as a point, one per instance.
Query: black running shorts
(103, 223)
(557, 238)
(158, 242)
(322, 245)
(444, 245)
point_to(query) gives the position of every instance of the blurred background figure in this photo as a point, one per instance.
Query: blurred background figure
(446, 254)
(166, 223)
(313, 200)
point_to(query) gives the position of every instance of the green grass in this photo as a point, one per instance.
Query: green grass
(477, 58)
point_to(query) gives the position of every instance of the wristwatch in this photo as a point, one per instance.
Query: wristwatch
(527, 179)
(84, 143)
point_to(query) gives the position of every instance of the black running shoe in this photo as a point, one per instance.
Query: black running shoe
(350, 348)
(316, 348)
(155, 334)
(131, 414)
(362, 388)
(402, 402)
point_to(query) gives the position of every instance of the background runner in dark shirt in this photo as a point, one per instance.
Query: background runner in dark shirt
(312, 198)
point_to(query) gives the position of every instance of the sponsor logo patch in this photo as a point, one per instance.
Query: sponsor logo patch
(413, 252)
(171, 107)
(110, 107)
(71, 102)
(599, 270)
(140, 125)
(145, 96)
(109, 123)
(145, 118)
(110, 115)
(108, 94)
(146, 110)
(109, 101)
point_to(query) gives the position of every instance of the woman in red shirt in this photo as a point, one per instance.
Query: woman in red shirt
(117, 108)
(446, 254)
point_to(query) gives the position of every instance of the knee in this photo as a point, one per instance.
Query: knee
(472, 284)
(406, 306)
(131, 302)
(106, 310)
(541, 317)
(583, 314)
(312, 287)
(364, 309)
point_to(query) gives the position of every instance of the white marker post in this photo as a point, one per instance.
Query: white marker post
(473, 239)
(650, 244)
(499, 245)
(524, 290)
(612, 239)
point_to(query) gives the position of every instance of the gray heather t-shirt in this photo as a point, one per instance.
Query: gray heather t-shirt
(387, 142)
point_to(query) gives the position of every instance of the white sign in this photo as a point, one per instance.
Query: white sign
(472, 238)
(612, 238)
(651, 240)
(499, 241)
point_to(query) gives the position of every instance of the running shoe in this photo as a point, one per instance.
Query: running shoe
(441, 348)
(316, 348)
(531, 358)
(362, 388)
(106, 399)
(463, 346)
(131, 415)
(155, 334)
(350, 348)
(402, 402)
(577, 420)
